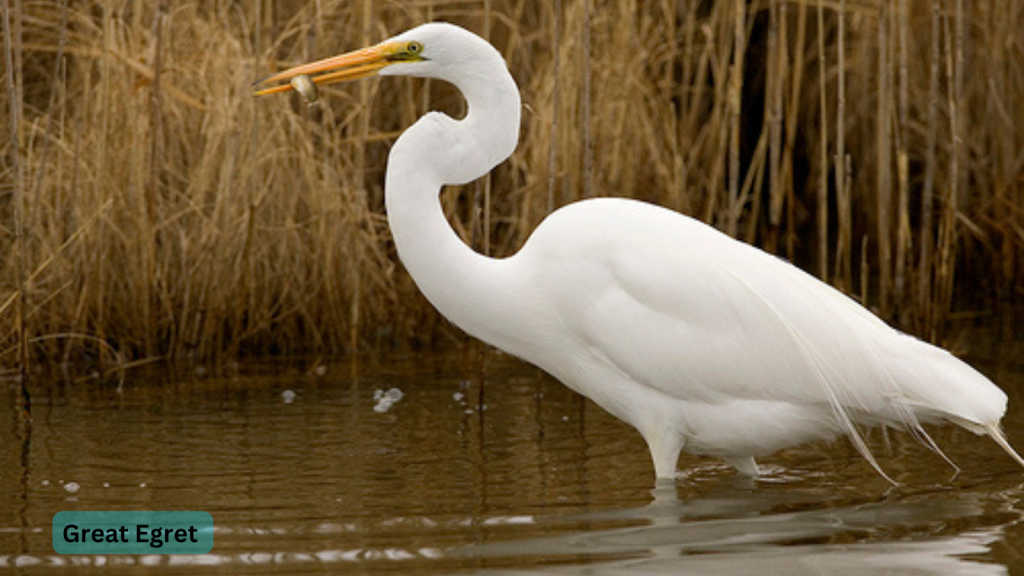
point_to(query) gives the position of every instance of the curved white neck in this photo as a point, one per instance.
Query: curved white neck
(476, 293)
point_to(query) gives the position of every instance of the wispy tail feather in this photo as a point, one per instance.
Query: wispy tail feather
(926, 439)
(996, 433)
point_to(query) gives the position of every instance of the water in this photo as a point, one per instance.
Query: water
(481, 464)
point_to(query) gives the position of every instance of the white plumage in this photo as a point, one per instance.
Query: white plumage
(700, 342)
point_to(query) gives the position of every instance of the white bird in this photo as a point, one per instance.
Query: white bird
(700, 342)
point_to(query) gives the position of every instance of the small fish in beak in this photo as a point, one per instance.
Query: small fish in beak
(304, 85)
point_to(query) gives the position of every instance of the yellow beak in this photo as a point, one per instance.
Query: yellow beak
(348, 66)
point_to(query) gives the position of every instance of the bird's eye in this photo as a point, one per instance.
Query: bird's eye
(414, 48)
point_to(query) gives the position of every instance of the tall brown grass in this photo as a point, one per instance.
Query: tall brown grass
(151, 207)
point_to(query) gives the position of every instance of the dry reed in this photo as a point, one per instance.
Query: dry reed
(174, 215)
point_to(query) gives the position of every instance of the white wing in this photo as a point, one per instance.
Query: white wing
(686, 310)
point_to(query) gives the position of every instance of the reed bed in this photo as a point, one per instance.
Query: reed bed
(151, 207)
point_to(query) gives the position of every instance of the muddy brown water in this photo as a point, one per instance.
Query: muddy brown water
(483, 465)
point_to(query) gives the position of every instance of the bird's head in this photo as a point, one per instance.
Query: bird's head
(459, 151)
(434, 50)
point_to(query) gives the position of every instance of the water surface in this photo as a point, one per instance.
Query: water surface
(483, 464)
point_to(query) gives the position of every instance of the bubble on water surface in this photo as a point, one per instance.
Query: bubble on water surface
(386, 399)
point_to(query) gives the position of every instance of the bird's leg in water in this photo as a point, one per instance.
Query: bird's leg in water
(745, 465)
(665, 445)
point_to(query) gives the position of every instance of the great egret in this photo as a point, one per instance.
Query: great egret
(700, 342)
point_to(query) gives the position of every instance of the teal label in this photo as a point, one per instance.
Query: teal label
(132, 532)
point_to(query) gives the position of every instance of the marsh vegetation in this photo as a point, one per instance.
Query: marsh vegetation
(150, 207)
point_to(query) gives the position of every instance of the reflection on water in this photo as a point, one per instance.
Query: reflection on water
(430, 464)
(837, 540)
